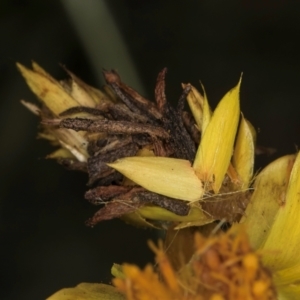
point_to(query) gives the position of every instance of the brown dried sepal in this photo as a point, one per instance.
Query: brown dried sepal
(180, 140)
(178, 207)
(117, 207)
(126, 199)
(130, 97)
(112, 210)
(102, 194)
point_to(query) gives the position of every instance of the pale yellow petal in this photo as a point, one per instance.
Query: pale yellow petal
(244, 151)
(88, 291)
(283, 238)
(287, 276)
(289, 292)
(215, 151)
(269, 193)
(47, 90)
(145, 151)
(171, 177)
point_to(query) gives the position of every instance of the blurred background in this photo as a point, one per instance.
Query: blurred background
(44, 243)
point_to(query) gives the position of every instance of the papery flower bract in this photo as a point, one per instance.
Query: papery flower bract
(244, 150)
(174, 185)
(269, 194)
(216, 146)
(58, 98)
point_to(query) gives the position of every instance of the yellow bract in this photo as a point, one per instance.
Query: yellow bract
(199, 107)
(269, 193)
(206, 113)
(87, 95)
(47, 89)
(195, 101)
(147, 216)
(287, 276)
(289, 292)
(196, 216)
(272, 221)
(283, 237)
(244, 151)
(216, 147)
(56, 98)
(171, 177)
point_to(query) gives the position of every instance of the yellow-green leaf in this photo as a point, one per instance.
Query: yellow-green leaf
(88, 291)
(215, 150)
(171, 177)
(269, 193)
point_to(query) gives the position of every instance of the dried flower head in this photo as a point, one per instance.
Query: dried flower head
(154, 165)
(94, 129)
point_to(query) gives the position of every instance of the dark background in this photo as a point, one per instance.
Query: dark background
(44, 243)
